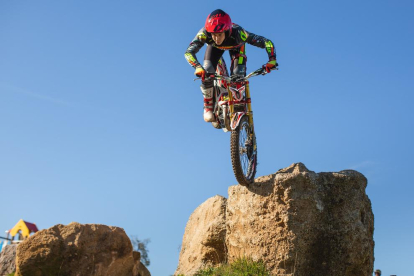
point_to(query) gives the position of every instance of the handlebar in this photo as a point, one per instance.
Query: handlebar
(261, 71)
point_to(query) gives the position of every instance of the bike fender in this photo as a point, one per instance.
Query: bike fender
(235, 120)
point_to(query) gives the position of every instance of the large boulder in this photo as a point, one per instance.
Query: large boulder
(204, 239)
(77, 249)
(302, 223)
(7, 259)
(139, 268)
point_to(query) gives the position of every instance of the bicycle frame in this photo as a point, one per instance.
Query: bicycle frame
(239, 81)
(236, 116)
(232, 103)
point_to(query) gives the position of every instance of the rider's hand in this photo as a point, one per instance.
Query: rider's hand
(200, 72)
(271, 65)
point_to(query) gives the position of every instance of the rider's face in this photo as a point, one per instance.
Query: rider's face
(218, 37)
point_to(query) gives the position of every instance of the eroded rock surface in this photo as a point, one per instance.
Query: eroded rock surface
(139, 268)
(301, 223)
(77, 249)
(204, 239)
(7, 259)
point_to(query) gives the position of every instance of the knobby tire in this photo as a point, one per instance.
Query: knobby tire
(244, 177)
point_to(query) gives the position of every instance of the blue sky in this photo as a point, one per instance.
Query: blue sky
(101, 121)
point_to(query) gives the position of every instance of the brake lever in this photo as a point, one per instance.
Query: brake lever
(206, 78)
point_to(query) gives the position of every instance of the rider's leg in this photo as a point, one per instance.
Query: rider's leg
(211, 59)
(238, 61)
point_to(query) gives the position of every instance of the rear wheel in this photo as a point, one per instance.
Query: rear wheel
(243, 152)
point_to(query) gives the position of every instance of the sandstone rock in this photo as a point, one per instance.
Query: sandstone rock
(7, 259)
(76, 249)
(300, 223)
(139, 268)
(305, 223)
(204, 239)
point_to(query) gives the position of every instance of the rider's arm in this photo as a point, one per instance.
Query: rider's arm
(259, 41)
(195, 45)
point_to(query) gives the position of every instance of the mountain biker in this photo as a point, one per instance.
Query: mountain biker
(221, 34)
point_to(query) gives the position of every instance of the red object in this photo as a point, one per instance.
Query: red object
(207, 103)
(200, 72)
(271, 64)
(217, 22)
(32, 227)
(269, 67)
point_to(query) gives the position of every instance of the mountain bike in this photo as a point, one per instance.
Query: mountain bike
(233, 113)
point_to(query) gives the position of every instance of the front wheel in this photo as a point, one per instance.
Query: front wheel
(243, 151)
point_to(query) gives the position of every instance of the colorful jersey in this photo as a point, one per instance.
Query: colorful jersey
(236, 39)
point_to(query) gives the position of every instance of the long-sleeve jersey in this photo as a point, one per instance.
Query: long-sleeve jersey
(237, 38)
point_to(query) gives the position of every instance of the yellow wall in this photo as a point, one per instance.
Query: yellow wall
(20, 226)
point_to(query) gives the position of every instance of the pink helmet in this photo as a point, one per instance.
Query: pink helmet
(217, 22)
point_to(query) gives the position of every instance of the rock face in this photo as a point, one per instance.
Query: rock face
(204, 239)
(139, 269)
(7, 260)
(302, 223)
(77, 249)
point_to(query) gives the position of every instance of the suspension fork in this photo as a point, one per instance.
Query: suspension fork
(250, 115)
(231, 105)
(249, 106)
